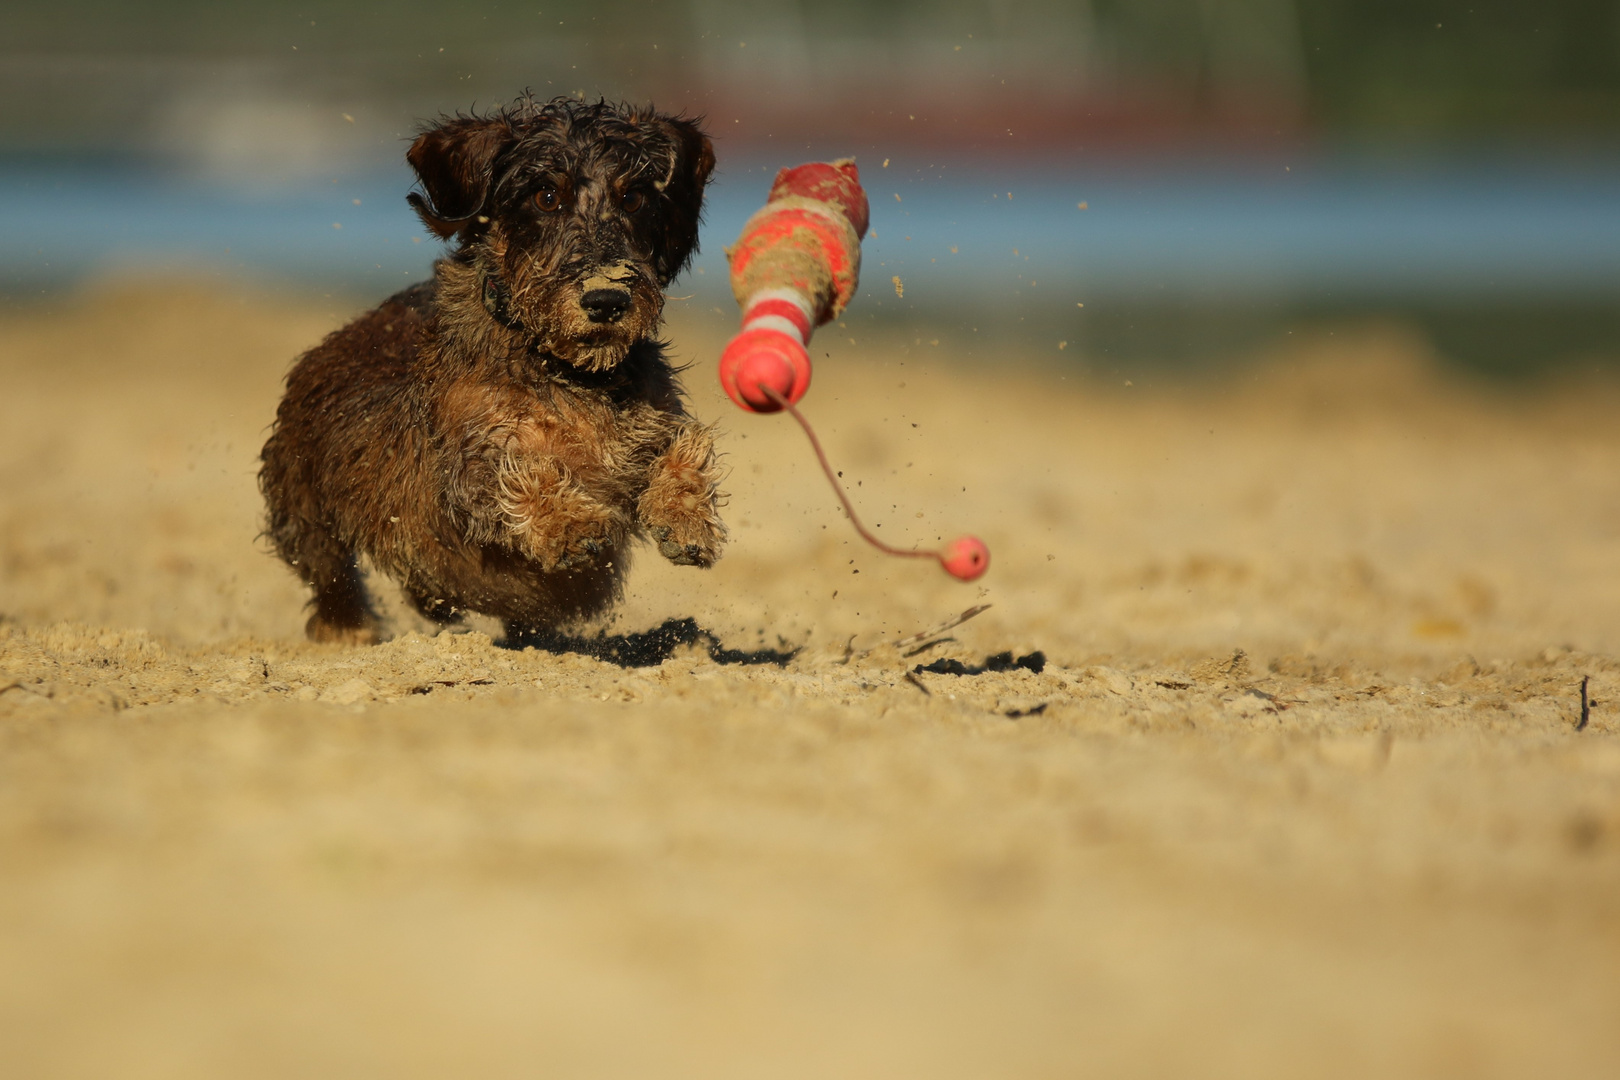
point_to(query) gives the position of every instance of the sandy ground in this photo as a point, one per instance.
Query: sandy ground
(1375, 842)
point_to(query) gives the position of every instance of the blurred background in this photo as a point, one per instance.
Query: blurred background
(1121, 184)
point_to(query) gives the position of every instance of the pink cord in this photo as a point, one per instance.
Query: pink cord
(815, 444)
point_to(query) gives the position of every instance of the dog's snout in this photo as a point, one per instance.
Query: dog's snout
(605, 305)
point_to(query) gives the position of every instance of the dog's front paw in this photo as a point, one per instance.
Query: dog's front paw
(582, 551)
(684, 554)
(680, 508)
(686, 529)
(570, 544)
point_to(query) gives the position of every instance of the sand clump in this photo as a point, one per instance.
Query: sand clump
(1302, 782)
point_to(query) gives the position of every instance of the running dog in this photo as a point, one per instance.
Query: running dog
(496, 438)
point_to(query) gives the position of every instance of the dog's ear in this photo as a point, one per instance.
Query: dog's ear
(454, 163)
(691, 162)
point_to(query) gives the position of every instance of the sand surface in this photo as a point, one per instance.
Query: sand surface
(1301, 789)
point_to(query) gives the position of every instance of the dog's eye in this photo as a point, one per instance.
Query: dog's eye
(633, 200)
(548, 199)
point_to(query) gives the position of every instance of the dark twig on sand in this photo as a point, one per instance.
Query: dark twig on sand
(925, 646)
(948, 624)
(1586, 705)
(922, 640)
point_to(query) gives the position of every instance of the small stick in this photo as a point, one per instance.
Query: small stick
(924, 647)
(933, 631)
(1586, 705)
(911, 678)
(949, 624)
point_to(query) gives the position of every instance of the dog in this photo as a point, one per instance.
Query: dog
(496, 438)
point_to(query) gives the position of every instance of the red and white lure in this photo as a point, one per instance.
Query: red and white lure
(795, 267)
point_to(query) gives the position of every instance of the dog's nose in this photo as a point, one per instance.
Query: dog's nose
(605, 305)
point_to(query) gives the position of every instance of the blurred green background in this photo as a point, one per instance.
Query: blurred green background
(93, 76)
(1248, 166)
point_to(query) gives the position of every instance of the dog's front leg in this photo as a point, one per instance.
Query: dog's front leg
(503, 487)
(680, 508)
(549, 517)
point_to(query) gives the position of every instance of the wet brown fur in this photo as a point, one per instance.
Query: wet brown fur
(488, 438)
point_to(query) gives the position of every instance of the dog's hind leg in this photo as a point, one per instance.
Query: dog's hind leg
(342, 610)
(299, 531)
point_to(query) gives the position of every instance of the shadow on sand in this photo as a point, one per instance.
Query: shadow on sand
(647, 647)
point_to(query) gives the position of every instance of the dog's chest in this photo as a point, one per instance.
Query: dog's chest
(589, 434)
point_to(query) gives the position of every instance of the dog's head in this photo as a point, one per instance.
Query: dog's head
(575, 216)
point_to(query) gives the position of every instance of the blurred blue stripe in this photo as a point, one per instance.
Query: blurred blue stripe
(1175, 229)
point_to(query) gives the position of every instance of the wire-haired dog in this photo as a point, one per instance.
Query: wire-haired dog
(496, 437)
